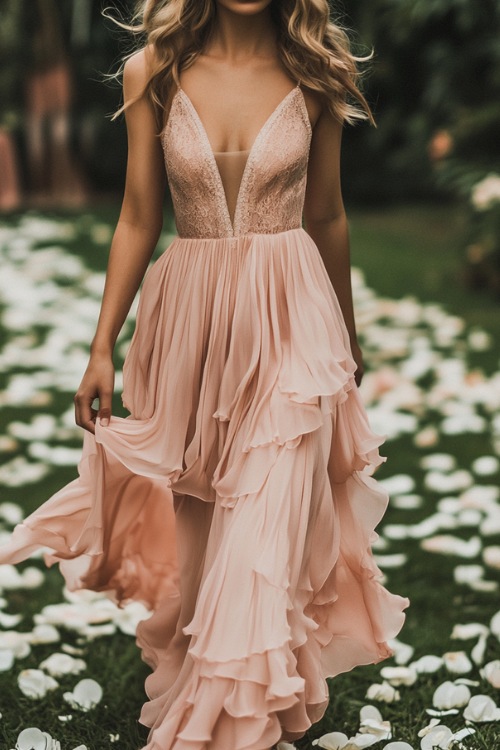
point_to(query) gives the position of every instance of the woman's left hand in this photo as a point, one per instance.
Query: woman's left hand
(358, 358)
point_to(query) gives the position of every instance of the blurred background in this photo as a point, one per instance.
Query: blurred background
(434, 84)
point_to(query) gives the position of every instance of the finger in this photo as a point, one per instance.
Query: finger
(84, 414)
(104, 412)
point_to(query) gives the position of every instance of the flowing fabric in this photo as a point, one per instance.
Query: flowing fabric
(237, 500)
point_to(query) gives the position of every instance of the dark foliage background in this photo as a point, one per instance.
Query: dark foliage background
(433, 82)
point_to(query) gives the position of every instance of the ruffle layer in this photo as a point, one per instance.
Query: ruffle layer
(236, 500)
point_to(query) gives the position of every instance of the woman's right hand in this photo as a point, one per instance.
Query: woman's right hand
(98, 382)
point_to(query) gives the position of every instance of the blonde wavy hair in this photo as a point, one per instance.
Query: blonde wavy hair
(312, 48)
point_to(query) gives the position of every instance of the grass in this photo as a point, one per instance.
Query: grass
(412, 250)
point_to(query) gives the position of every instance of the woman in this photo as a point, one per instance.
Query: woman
(236, 500)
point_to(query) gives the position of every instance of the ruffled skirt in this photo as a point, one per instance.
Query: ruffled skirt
(236, 500)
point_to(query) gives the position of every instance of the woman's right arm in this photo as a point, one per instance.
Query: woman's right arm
(134, 240)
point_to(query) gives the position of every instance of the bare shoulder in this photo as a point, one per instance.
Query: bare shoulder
(137, 70)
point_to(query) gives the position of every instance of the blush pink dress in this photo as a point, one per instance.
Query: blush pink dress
(236, 500)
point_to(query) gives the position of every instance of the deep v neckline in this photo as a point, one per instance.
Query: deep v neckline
(233, 226)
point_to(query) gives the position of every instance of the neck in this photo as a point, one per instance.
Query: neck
(236, 38)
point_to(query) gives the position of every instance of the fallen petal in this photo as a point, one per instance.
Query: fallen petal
(491, 556)
(60, 664)
(86, 694)
(382, 692)
(491, 673)
(33, 739)
(448, 695)
(6, 659)
(34, 683)
(399, 675)
(447, 712)
(457, 662)
(482, 708)
(427, 664)
(439, 736)
(332, 741)
(469, 630)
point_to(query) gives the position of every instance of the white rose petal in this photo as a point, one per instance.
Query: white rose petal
(452, 545)
(72, 650)
(129, 617)
(479, 650)
(33, 739)
(35, 684)
(11, 513)
(486, 466)
(391, 561)
(398, 746)
(9, 621)
(441, 483)
(491, 673)
(466, 681)
(425, 730)
(60, 664)
(382, 692)
(399, 484)
(427, 437)
(396, 531)
(479, 340)
(442, 712)
(89, 632)
(86, 694)
(463, 733)
(482, 708)
(407, 502)
(457, 662)
(448, 695)
(372, 724)
(402, 651)
(495, 625)
(463, 423)
(469, 630)
(332, 741)
(427, 664)
(6, 659)
(399, 675)
(491, 556)
(490, 526)
(484, 585)
(438, 462)
(363, 739)
(16, 642)
(486, 192)
(468, 573)
(44, 633)
(440, 736)
(469, 517)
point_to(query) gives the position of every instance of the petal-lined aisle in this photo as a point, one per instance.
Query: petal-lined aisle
(248, 440)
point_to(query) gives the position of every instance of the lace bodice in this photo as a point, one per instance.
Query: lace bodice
(271, 192)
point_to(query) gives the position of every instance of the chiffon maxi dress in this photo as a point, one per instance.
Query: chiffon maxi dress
(237, 499)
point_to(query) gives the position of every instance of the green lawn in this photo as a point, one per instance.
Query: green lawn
(405, 251)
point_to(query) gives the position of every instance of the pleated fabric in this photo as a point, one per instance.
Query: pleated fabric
(237, 500)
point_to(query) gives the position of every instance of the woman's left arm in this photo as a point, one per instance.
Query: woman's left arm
(326, 222)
